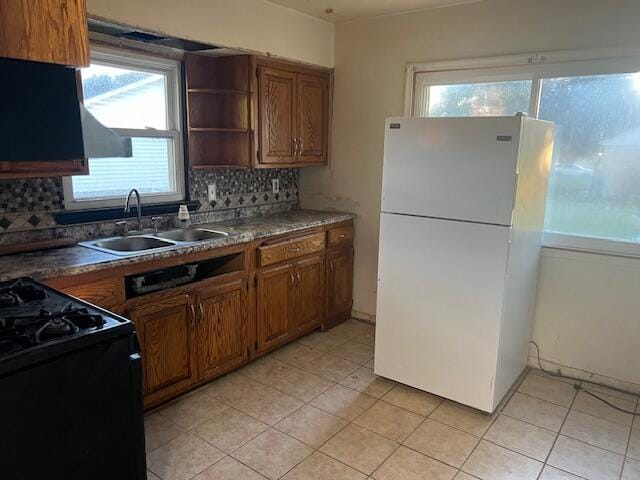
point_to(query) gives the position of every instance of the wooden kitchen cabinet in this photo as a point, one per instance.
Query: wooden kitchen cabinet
(293, 116)
(245, 111)
(196, 332)
(308, 298)
(277, 110)
(339, 274)
(165, 323)
(219, 111)
(313, 118)
(221, 334)
(275, 305)
(51, 31)
(291, 300)
(339, 286)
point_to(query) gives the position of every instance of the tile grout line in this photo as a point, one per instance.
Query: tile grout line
(546, 460)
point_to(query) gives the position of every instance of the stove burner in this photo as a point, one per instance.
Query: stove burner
(56, 327)
(8, 299)
(52, 325)
(17, 293)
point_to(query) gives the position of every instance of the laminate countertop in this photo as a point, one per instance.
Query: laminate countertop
(78, 259)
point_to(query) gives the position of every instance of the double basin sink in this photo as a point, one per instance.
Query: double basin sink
(135, 243)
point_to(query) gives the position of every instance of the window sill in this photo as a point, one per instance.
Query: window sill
(71, 217)
(591, 245)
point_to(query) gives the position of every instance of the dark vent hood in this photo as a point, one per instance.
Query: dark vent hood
(42, 118)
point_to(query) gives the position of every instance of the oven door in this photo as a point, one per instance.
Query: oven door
(75, 417)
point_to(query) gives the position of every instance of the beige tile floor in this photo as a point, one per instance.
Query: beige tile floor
(314, 410)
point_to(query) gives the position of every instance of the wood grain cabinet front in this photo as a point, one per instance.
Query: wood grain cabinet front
(291, 300)
(165, 324)
(277, 108)
(275, 305)
(51, 31)
(221, 333)
(339, 286)
(309, 294)
(293, 115)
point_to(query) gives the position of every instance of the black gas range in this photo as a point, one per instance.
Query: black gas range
(70, 388)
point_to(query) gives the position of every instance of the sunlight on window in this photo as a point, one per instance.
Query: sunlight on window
(125, 98)
(594, 188)
(479, 99)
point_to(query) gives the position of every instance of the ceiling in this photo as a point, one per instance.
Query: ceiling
(347, 10)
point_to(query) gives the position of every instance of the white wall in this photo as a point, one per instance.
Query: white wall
(588, 308)
(254, 25)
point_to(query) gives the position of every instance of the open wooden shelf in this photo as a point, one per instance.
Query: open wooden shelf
(219, 111)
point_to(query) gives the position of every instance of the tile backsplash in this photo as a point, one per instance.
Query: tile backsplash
(27, 206)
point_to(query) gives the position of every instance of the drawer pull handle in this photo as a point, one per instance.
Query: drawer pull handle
(342, 235)
(295, 250)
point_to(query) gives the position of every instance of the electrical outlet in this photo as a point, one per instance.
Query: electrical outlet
(211, 192)
(275, 185)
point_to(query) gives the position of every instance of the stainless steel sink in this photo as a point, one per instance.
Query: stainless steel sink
(126, 245)
(191, 234)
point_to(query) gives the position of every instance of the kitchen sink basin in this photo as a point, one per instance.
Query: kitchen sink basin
(129, 244)
(191, 234)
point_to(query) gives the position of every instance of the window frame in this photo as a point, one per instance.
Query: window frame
(172, 70)
(537, 67)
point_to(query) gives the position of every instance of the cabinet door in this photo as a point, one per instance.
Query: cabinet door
(51, 31)
(312, 120)
(276, 106)
(222, 329)
(275, 306)
(309, 294)
(164, 324)
(339, 284)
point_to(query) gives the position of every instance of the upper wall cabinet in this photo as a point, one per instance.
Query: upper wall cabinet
(253, 112)
(293, 115)
(50, 31)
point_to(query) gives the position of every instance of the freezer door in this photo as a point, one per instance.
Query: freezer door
(440, 296)
(458, 168)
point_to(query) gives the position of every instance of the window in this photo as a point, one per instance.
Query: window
(138, 97)
(593, 197)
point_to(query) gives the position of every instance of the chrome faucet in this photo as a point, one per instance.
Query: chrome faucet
(127, 207)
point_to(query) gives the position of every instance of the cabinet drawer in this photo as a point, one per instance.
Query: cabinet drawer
(288, 249)
(340, 236)
(107, 293)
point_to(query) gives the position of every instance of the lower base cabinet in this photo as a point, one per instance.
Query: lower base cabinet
(194, 333)
(339, 286)
(221, 332)
(275, 305)
(291, 299)
(165, 324)
(188, 336)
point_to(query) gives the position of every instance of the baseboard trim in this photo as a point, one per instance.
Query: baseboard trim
(552, 366)
(365, 317)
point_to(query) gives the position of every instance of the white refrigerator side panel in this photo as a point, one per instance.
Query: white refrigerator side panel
(457, 168)
(440, 292)
(536, 147)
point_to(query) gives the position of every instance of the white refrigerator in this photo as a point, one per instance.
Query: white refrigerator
(460, 228)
